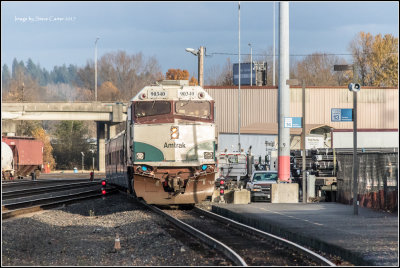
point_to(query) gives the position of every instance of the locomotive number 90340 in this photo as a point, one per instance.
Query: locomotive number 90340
(158, 94)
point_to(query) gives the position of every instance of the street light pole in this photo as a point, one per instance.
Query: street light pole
(92, 151)
(355, 88)
(239, 146)
(304, 174)
(22, 93)
(251, 65)
(83, 158)
(355, 162)
(95, 68)
(273, 49)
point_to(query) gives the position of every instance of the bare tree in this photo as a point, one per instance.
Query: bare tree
(317, 70)
(128, 73)
(220, 76)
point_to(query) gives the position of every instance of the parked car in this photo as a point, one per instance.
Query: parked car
(260, 184)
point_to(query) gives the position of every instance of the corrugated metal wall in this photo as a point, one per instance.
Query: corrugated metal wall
(378, 108)
(377, 180)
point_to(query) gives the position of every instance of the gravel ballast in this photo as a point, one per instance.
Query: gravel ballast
(84, 234)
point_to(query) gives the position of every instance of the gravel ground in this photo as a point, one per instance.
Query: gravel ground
(84, 234)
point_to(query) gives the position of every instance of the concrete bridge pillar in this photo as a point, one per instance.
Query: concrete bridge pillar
(8, 127)
(101, 146)
(111, 131)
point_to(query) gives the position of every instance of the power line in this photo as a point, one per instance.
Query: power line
(291, 55)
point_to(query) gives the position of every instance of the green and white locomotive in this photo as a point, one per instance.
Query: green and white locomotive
(166, 155)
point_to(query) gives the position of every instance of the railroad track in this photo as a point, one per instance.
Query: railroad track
(242, 244)
(21, 183)
(20, 207)
(16, 193)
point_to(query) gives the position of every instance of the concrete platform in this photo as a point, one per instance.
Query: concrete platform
(370, 238)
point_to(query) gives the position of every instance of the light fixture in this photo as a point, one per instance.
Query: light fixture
(193, 51)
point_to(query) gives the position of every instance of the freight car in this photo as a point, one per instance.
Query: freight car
(166, 155)
(27, 155)
(7, 162)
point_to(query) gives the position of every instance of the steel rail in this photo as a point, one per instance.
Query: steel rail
(213, 243)
(32, 191)
(43, 200)
(20, 183)
(6, 214)
(294, 246)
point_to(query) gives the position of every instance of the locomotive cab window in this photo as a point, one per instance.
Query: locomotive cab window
(200, 109)
(151, 108)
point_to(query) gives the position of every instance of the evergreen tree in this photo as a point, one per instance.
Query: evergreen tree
(70, 141)
(32, 70)
(6, 77)
(14, 68)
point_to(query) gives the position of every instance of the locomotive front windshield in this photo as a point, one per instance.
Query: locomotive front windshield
(151, 108)
(200, 109)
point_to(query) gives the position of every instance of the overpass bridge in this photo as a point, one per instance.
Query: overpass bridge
(106, 115)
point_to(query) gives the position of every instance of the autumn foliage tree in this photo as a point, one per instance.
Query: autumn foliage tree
(193, 81)
(40, 134)
(376, 58)
(108, 92)
(178, 74)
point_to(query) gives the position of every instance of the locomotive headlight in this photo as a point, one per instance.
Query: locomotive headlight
(174, 133)
(140, 156)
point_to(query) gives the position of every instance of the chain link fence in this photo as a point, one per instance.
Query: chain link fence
(377, 180)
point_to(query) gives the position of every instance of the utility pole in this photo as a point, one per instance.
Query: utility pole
(201, 66)
(284, 93)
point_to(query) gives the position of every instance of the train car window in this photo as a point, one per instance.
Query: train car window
(200, 109)
(151, 108)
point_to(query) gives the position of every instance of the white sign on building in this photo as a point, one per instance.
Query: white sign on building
(314, 142)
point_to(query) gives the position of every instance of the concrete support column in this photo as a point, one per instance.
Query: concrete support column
(111, 131)
(284, 93)
(101, 146)
(8, 127)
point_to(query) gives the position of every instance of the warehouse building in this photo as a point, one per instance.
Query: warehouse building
(377, 119)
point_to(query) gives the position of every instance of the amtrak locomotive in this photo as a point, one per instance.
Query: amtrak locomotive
(166, 155)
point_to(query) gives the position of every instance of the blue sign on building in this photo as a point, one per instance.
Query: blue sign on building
(244, 74)
(292, 122)
(341, 115)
